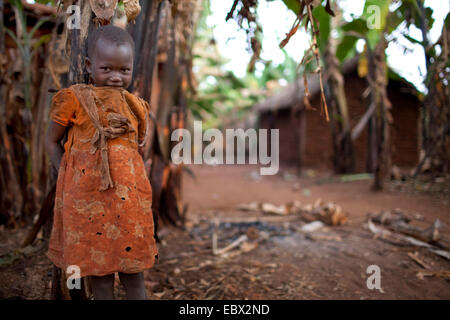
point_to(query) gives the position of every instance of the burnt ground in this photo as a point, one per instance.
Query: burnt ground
(283, 263)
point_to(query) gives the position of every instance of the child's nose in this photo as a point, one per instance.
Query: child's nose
(115, 78)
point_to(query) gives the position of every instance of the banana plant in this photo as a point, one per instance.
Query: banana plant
(375, 23)
(27, 47)
(23, 40)
(374, 26)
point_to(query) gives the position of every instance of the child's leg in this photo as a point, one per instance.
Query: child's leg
(103, 287)
(134, 285)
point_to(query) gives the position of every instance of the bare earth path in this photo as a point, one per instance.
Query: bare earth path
(286, 264)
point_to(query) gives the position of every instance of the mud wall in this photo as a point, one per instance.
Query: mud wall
(305, 137)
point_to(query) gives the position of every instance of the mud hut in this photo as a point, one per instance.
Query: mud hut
(305, 135)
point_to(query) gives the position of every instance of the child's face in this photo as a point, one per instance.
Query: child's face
(111, 65)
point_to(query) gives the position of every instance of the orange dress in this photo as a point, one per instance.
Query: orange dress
(108, 231)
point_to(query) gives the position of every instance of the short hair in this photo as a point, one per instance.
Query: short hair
(109, 33)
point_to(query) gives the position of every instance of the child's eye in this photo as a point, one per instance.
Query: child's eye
(105, 69)
(125, 70)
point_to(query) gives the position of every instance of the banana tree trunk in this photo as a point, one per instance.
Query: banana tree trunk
(343, 155)
(157, 22)
(11, 197)
(379, 150)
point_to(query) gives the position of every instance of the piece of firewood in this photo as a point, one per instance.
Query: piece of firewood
(431, 234)
(389, 217)
(330, 214)
(232, 245)
(398, 222)
(384, 233)
(445, 274)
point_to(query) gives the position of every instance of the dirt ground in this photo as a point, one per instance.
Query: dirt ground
(281, 262)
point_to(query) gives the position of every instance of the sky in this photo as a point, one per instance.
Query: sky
(278, 20)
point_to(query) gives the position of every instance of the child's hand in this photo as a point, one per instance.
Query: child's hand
(55, 132)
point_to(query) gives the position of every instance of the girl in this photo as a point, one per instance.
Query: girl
(102, 218)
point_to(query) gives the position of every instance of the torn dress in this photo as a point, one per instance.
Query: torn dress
(103, 219)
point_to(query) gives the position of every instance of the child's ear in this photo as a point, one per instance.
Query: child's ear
(88, 65)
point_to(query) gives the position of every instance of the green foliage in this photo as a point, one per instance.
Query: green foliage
(351, 33)
(293, 5)
(221, 93)
(363, 27)
(375, 13)
(410, 11)
(346, 48)
(357, 25)
(47, 2)
(324, 21)
(26, 46)
(223, 96)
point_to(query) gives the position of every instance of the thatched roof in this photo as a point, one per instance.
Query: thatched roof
(293, 94)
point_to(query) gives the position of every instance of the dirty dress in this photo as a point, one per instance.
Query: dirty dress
(102, 228)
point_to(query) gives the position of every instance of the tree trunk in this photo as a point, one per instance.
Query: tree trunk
(377, 78)
(11, 197)
(157, 22)
(77, 49)
(435, 115)
(343, 155)
(425, 44)
(145, 34)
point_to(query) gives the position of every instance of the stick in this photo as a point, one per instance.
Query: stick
(378, 231)
(230, 13)
(415, 257)
(214, 239)
(441, 274)
(430, 234)
(362, 122)
(232, 245)
(398, 222)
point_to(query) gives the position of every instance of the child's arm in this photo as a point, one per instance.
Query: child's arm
(55, 133)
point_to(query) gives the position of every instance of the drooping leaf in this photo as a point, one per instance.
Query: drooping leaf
(346, 47)
(293, 5)
(357, 25)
